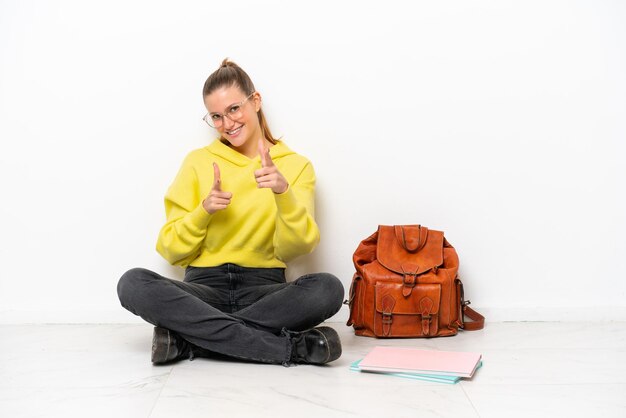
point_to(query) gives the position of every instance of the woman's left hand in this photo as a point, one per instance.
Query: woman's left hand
(268, 175)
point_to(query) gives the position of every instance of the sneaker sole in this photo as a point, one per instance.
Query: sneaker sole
(161, 344)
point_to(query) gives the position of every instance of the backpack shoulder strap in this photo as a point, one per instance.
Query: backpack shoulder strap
(477, 320)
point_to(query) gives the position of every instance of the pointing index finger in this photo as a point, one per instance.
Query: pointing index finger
(217, 180)
(266, 158)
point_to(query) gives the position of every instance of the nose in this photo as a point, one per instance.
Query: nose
(227, 122)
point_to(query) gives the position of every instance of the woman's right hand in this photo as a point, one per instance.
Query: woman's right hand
(217, 199)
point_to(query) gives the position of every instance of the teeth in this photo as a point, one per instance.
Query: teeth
(234, 130)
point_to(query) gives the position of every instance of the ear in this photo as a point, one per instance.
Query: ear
(257, 101)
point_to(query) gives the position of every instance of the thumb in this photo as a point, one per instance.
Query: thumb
(217, 180)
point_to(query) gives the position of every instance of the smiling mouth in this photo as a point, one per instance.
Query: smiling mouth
(234, 131)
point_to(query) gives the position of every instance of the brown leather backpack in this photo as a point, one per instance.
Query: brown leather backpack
(406, 285)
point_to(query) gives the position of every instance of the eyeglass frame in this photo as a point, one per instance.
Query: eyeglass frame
(226, 111)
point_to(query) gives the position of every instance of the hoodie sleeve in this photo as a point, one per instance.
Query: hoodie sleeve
(296, 231)
(181, 237)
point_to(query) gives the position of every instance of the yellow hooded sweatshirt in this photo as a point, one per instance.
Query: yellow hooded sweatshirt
(258, 228)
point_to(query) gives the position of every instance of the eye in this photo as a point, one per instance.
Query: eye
(233, 109)
(216, 116)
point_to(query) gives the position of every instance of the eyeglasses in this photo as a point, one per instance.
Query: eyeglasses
(234, 111)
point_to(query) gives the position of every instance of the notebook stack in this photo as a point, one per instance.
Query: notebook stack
(429, 365)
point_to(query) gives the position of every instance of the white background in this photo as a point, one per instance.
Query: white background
(500, 123)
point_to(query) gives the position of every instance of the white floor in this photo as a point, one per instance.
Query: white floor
(533, 369)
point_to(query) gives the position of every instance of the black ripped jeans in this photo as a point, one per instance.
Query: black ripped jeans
(233, 310)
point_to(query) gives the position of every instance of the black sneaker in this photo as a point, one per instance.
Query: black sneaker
(316, 346)
(167, 346)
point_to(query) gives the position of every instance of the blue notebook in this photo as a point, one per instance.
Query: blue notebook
(426, 377)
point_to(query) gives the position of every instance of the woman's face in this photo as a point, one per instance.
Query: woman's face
(239, 121)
